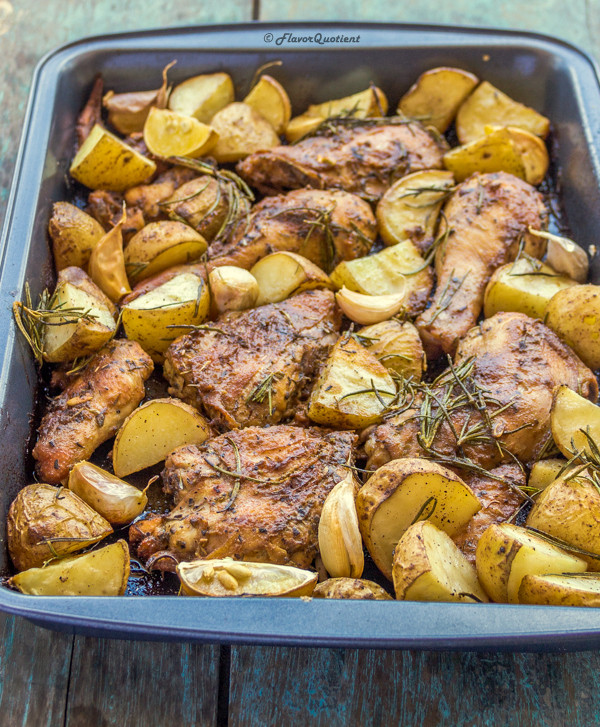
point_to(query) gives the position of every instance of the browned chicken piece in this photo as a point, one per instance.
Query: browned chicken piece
(323, 226)
(253, 367)
(107, 208)
(254, 494)
(91, 113)
(509, 366)
(364, 159)
(500, 499)
(91, 409)
(487, 220)
(147, 197)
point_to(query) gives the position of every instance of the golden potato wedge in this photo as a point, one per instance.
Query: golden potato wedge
(404, 491)
(101, 572)
(565, 256)
(168, 133)
(352, 388)
(107, 263)
(161, 245)
(340, 544)
(574, 421)
(105, 162)
(397, 269)
(436, 96)
(153, 430)
(46, 522)
(488, 105)
(544, 472)
(242, 131)
(569, 509)
(202, 96)
(397, 346)
(232, 288)
(506, 553)
(83, 321)
(351, 588)
(525, 286)
(410, 207)
(283, 274)
(574, 314)
(427, 566)
(368, 309)
(364, 104)
(117, 501)
(532, 150)
(572, 590)
(227, 577)
(74, 235)
(495, 152)
(157, 318)
(270, 99)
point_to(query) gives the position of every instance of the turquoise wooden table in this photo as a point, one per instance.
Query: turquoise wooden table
(55, 679)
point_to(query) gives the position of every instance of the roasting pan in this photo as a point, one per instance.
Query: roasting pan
(318, 64)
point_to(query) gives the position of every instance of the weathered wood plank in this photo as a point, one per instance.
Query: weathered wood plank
(34, 672)
(577, 21)
(140, 683)
(276, 686)
(30, 28)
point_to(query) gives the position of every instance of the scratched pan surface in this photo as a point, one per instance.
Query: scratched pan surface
(551, 76)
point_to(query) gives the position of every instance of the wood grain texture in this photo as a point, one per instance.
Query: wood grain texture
(131, 683)
(335, 687)
(34, 673)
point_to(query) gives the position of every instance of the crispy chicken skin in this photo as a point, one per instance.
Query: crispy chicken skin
(487, 216)
(91, 408)
(364, 159)
(517, 362)
(323, 226)
(268, 514)
(499, 499)
(251, 368)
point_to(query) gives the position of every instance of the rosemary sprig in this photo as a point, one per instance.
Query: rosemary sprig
(238, 475)
(562, 543)
(264, 390)
(426, 510)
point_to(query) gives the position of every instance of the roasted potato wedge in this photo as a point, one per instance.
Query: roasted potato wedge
(153, 430)
(551, 590)
(404, 491)
(531, 149)
(565, 256)
(574, 421)
(74, 235)
(46, 522)
(227, 577)
(270, 99)
(242, 131)
(168, 133)
(569, 509)
(283, 274)
(157, 318)
(101, 572)
(350, 388)
(107, 263)
(397, 269)
(506, 553)
(397, 346)
(574, 314)
(202, 96)
(105, 162)
(83, 321)
(488, 105)
(525, 286)
(427, 566)
(411, 206)
(436, 96)
(340, 544)
(495, 152)
(364, 104)
(117, 501)
(161, 245)
(351, 588)
(544, 472)
(233, 288)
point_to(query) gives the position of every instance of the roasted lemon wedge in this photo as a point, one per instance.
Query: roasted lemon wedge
(167, 134)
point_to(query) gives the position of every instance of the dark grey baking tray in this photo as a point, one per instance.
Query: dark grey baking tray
(552, 76)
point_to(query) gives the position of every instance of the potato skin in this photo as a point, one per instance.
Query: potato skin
(40, 513)
(574, 314)
(559, 591)
(351, 588)
(74, 235)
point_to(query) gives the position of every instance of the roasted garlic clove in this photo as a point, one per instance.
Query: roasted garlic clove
(565, 256)
(232, 288)
(340, 543)
(368, 309)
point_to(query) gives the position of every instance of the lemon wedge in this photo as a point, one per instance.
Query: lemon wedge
(167, 134)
